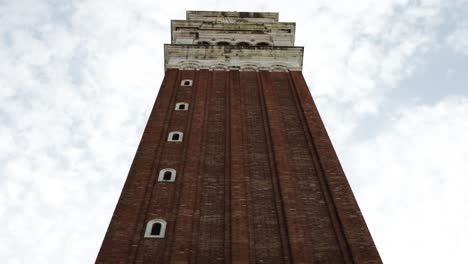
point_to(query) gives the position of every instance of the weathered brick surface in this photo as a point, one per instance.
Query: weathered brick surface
(264, 207)
(185, 230)
(319, 235)
(211, 234)
(257, 181)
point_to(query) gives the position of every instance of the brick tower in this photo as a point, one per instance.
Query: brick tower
(235, 165)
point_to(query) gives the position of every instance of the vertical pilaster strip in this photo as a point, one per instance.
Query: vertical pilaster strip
(328, 201)
(227, 168)
(245, 96)
(186, 120)
(278, 199)
(292, 209)
(351, 222)
(212, 221)
(180, 242)
(239, 213)
(183, 234)
(205, 84)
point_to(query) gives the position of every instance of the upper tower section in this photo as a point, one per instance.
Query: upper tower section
(233, 40)
(232, 28)
(258, 17)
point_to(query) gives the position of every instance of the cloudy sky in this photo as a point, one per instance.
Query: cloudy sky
(78, 79)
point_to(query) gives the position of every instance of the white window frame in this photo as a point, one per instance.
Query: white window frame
(181, 136)
(182, 83)
(181, 103)
(149, 226)
(163, 171)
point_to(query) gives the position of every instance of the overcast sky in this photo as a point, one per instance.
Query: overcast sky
(78, 80)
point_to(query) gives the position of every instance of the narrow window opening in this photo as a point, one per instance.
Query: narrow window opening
(175, 136)
(223, 43)
(156, 229)
(181, 106)
(167, 176)
(186, 82)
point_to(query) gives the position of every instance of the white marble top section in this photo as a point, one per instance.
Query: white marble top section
(234, 39)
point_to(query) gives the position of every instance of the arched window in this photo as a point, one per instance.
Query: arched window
(181, 106)
(263, 44)
(223, 43)
(175, 136)
(167, 175)
(243, 44)
(155, 228)
(186, 82)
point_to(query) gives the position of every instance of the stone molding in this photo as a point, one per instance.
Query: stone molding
(192, 32)
(197, 57)
(232, 17)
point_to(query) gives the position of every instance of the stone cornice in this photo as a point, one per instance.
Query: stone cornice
(232, 17)
(191, 32)
(197, 57)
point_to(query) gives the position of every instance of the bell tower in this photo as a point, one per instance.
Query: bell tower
(235, 164)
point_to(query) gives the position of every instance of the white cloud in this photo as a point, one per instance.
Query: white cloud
(408, 183)
(355, 56)
(458, 39)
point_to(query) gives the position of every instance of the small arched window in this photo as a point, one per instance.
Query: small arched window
(182, 106)
(175, 136)
(186, 82)
(155, 228)
(167, 175)
(223, 43)
(243, 44)
(263, 44)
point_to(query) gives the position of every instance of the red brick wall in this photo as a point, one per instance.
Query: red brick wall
(257, 178)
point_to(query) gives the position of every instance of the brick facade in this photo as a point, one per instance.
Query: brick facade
(258, 180)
